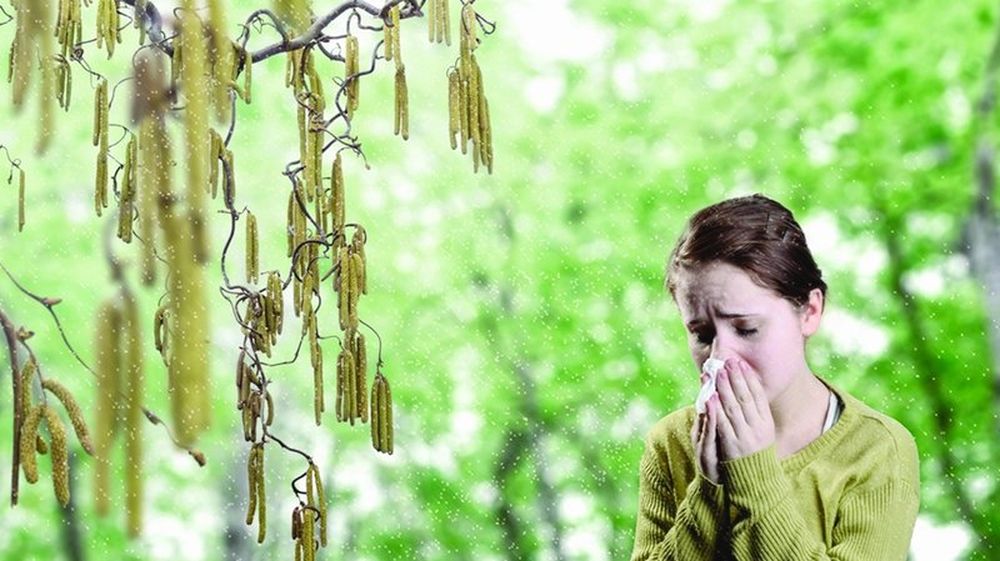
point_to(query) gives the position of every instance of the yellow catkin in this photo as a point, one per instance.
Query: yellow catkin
(472, 100)
(29, 433)
(247, 76)
(126, 208)
(308, 535)
(42, 11)
(20, 200)
(320, 504)
(73, 410)
(107, 363)
(358, 268)
(252, 476)
(387, 43)
(261, 497)
(337, 193)
(432, 20)
(402, 121)
(133, 378)
(251, 249)
(60, 455)
(150, 70)
(101, 141)
(350, 74)
(453, 109)
(361, 369)
(222, 55)
(397, 53)
(196, 136)
(446, 22)
(317, 364)
(27, 377)
(188, 381)
(376, 425)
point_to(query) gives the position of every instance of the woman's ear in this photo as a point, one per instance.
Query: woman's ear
(811, 313)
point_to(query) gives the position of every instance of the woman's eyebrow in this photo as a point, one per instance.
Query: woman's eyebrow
(723, 315)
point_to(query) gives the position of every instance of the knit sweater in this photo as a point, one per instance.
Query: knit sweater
(850, 495)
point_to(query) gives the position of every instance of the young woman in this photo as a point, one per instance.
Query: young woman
(783, 465)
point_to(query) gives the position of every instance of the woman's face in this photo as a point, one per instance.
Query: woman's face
(727, 315)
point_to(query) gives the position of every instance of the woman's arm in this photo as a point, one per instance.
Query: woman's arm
(666, 531)
(873, 524)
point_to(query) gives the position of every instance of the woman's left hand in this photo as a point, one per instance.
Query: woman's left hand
(746, 425)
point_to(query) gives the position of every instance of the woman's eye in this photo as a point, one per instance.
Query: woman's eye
(706, 338)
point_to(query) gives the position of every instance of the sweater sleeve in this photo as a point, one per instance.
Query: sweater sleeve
(666, 531)
(871, 525)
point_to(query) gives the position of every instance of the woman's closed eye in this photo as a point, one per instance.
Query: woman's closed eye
(745, 333)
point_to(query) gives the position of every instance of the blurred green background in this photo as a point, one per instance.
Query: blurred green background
(525, 330)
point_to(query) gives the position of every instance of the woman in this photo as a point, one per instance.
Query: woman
(783, 465)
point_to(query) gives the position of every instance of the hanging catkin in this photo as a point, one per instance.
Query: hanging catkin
(188, 313)
(350, 73)
(132, 378)
(126, 200)
(107, 25)
(107, 363)
(402, 120)
(73, 410)
(196, 136)
(223, 59)
(252, 252)
(100, 139)
(59, 455)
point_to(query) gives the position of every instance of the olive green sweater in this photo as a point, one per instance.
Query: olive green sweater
(850, 495)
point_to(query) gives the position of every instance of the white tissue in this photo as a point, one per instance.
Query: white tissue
(711, 367)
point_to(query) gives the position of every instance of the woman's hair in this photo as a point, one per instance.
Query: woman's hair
(755, 234)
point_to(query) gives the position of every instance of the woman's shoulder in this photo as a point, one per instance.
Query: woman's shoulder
(877, 437)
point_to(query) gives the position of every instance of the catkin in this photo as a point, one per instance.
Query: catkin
(73, 410)
(132, 365)
(320, 501)
(388, 414)
(316, 355)
(397, 53)
(29, 433)
(388, 29)
(60, 455)
(453, 107)
(247, 75)
(261, 496)
(126, 210)
(402, 121)
(361, 368)
(27, 377)
(252, 249)
(252, 476)
(350, 74)
(337, 195)
(196, 135)
(107, 365)
(100, 139)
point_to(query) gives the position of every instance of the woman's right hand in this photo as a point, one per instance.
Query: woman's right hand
(705, 440)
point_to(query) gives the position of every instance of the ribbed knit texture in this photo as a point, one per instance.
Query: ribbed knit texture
(850, 495)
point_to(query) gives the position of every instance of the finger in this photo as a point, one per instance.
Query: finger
(731, 406)
(711, 429)
(738, 381)
(724, 428)
(763, 404)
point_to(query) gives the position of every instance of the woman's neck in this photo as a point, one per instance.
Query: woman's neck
(799, 412)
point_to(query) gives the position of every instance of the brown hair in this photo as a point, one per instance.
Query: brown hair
(755, 234)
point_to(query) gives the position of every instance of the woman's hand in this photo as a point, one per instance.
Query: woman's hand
(704, 438)
(745, 424)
